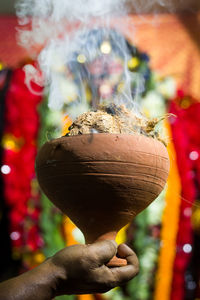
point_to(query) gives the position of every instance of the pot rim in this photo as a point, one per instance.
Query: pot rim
(135, 134)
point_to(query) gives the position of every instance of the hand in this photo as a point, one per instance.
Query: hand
(83, 269)
(79, 269)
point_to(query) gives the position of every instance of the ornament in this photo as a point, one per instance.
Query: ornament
(133, 63)
(81, 58)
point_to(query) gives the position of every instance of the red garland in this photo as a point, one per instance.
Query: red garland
(185, 131)
(19, 141)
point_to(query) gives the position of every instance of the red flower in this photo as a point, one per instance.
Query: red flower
(21, 122)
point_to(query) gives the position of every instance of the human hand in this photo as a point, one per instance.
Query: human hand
(81, 269)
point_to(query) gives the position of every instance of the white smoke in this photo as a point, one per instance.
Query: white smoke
(56, 29)
(47, 18)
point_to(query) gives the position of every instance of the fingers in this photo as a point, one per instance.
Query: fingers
(108, 278)
(112, 277)
(123, 251)
(124, 274)
(102, 251)
(126, 252)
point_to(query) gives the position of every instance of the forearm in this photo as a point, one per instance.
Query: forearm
(39, 283)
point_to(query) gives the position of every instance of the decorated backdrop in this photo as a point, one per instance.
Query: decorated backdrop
(166, 236)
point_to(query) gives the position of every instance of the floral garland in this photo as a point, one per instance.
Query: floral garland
(185, 128)
(5, 251)
(195, 261)
(19, 143)
(169, 228)
(180, 281)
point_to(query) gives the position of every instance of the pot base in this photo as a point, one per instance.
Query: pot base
(116, 262)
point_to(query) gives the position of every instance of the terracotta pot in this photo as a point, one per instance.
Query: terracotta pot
(102, 181)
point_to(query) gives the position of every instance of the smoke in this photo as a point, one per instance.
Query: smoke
(46, 19)
(62, 34)
(71, 10)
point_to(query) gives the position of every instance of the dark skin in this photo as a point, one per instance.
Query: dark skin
(78, 269)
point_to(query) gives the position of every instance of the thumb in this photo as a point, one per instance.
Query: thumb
(102, 251)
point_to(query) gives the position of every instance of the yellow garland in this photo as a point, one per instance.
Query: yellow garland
(68, 231)
(85, 297)
(121, 236)
(169, 228)
(67, 123)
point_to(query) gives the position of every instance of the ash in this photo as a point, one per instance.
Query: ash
(113, 119)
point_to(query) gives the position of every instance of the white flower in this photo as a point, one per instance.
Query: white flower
(167, 88)
(153, 105)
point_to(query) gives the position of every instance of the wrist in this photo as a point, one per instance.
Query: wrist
(57, 275)
(43, 279)
(39, 283)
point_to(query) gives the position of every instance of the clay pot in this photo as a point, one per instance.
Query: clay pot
(102, 181)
